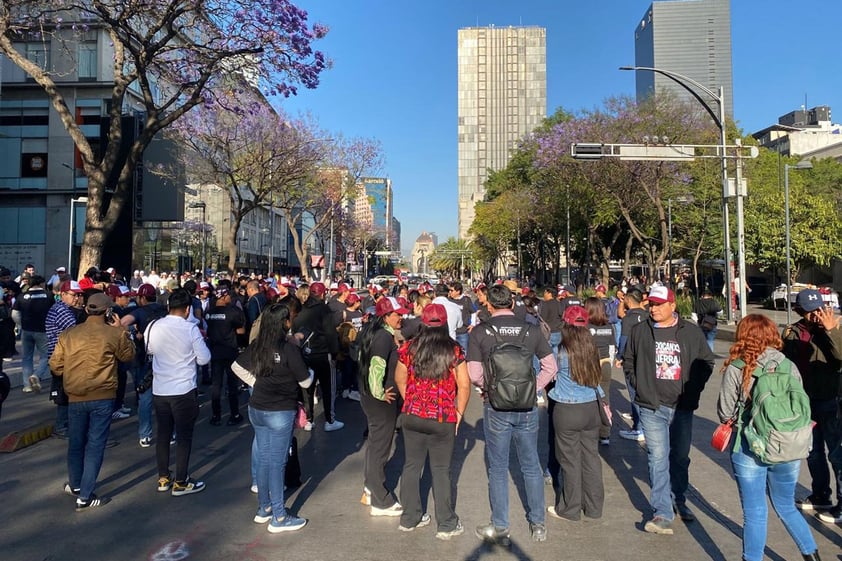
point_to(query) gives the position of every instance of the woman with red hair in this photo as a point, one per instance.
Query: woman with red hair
(757, 343)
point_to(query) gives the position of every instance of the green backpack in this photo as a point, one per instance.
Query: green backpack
(779, 428)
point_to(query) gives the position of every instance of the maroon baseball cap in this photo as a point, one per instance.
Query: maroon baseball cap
(576, 315)
(387, 305)
(352, 298)
(435, 315)
(661, 294)
(70, 286)
(113, 291)
(343, 288)
(146, 290)
(317, 289)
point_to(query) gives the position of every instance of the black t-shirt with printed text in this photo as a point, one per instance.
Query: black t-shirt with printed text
(223, 322)
(509, 329)
(667, 365)
(603, 338)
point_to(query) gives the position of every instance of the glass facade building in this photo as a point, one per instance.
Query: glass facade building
(502, 96)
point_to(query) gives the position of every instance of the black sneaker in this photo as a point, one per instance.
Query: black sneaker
(814, 503)
(539, 532)
(490, 533)
(93, 502)
(234, 420)
(71, 490)
(832, 516)
(216, 420)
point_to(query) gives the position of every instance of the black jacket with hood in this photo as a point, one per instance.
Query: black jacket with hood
(639, 364)
(315, 321)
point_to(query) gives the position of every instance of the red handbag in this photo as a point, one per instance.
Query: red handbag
(300, 417)
(722, 436)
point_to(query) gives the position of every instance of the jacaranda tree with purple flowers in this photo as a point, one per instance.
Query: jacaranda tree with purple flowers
(167, 57)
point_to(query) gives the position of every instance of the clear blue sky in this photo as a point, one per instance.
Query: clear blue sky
(394, 75)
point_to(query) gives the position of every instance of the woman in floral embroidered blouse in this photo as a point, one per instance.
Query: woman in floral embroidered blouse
(432, 377)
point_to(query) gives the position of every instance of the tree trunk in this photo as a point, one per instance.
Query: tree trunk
(231, 240)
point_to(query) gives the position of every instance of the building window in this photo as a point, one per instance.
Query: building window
(39, 53)
(87, 61)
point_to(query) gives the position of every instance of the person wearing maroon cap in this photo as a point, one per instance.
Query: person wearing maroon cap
(62, 315)
(321, 346)
(432, 378)
(668, 362)
(148, 310)
(378, 360)
(575, 420)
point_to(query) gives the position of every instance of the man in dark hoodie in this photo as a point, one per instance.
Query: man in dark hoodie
(668, 362)
(320, 346)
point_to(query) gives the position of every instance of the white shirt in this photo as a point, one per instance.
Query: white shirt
(176, 346)
(454, 314)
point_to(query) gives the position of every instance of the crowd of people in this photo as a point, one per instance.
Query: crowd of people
(411, 357)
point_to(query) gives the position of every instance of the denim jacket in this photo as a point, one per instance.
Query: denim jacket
(568, 391)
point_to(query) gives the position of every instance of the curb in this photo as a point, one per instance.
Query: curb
(18, 440)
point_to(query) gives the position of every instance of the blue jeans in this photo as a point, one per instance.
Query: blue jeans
(681, 436)
(501, 429)
(710, 337)
(89, 423)
(665, 429)
(462, 339)
(753, 480)
(32, 341)
(555, 341)
(826, 433)
(144, 404)
(273, 431)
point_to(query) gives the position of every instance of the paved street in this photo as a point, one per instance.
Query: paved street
(39, 522)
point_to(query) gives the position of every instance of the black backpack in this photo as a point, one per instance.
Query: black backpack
(510, 382)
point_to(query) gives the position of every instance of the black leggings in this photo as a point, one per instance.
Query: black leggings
(5, 386)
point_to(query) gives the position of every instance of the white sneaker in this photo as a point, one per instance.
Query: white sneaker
(145, 442)
(394, 510)
(354, 395)
(344, 394)
(118, 414)
(632, 435)
(253, 488)
(335, 425)
(308, 426)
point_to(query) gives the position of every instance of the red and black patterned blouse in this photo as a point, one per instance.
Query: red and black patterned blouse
(430, 399)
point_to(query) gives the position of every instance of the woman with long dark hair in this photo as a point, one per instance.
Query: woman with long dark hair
(378, 360)
(576, 420)
(276, 370)
(603, 337)
(432, 378)
(758, 343)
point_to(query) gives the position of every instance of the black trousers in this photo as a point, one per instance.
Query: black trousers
(177, 412)
(381, 417)
(576, 443)
(5, 386)
(605, 383)
(422, 437)
(324, 376)
(221, 368)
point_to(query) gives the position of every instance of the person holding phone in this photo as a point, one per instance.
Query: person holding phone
(814, 344)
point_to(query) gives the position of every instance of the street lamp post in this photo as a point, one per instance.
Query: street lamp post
(803, 164)
(719, 119)
(73, 202)
(202, 205)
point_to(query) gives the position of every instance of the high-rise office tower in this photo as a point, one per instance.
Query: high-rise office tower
(690, 37)
(502, 97)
